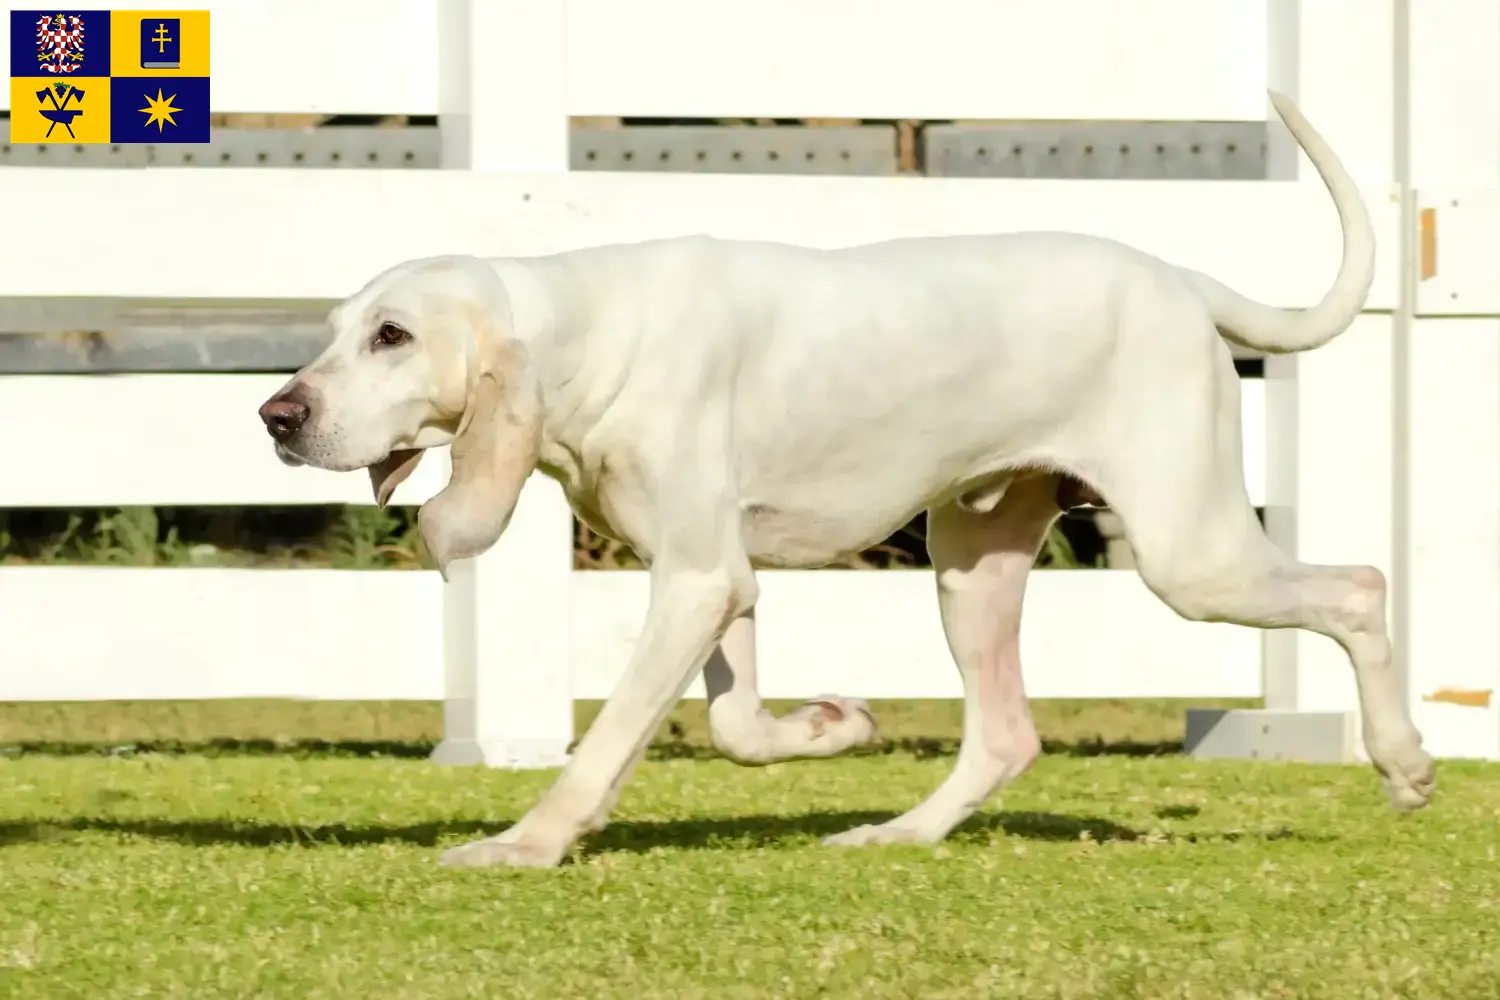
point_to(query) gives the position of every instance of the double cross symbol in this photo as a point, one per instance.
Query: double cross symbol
(60, 114)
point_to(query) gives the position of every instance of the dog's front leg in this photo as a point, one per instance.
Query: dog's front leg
(689, 610)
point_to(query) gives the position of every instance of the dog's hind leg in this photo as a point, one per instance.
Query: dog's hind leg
(981, 561)
(747, 733)
(1177, 482)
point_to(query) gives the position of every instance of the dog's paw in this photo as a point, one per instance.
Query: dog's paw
(499, 851)
(883, 833)
(834, 724)
(1410, 778)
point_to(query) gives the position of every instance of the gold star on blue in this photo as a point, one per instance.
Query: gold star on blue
(160, 110)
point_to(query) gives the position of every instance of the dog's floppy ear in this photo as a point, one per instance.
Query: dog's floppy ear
(498, 442)
(391, 471)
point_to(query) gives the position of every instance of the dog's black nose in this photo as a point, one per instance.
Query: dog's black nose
(283, 417)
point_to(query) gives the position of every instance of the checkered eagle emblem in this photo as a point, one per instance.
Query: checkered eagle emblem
(59, 43)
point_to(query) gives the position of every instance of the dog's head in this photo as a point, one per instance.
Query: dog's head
(424, 355)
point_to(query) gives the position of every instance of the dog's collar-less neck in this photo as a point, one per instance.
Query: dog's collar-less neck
(555, 349)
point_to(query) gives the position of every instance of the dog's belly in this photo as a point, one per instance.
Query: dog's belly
(783, 538)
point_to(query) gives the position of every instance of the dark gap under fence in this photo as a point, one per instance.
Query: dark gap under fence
(365, 537)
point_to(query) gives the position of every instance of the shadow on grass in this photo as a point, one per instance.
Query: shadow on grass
(245, 833)
(672, 749)
(1177, 812)
(627, 835)
(223, 747)
(925, 748)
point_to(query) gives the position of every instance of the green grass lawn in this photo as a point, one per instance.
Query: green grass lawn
(268, 874)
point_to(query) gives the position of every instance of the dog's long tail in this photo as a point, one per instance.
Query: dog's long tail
(1265, 328)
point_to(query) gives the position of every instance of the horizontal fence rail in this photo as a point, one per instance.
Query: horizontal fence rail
(1275, 242)
(371, 635)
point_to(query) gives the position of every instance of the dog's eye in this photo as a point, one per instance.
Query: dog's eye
(390, 335)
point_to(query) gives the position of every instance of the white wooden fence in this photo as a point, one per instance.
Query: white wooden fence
(1378, 448)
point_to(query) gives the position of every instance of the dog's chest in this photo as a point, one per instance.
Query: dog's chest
(594, 496)
(586, 506)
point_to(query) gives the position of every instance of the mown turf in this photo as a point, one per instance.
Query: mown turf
(1096, 876)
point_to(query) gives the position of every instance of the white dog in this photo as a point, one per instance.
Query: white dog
(721, 406)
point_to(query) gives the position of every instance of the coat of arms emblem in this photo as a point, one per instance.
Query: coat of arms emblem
(59, 43)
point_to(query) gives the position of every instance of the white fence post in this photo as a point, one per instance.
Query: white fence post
(1345, 421)
(1452, 470)
(1330, 431)
(502, 85)
(508, 697)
